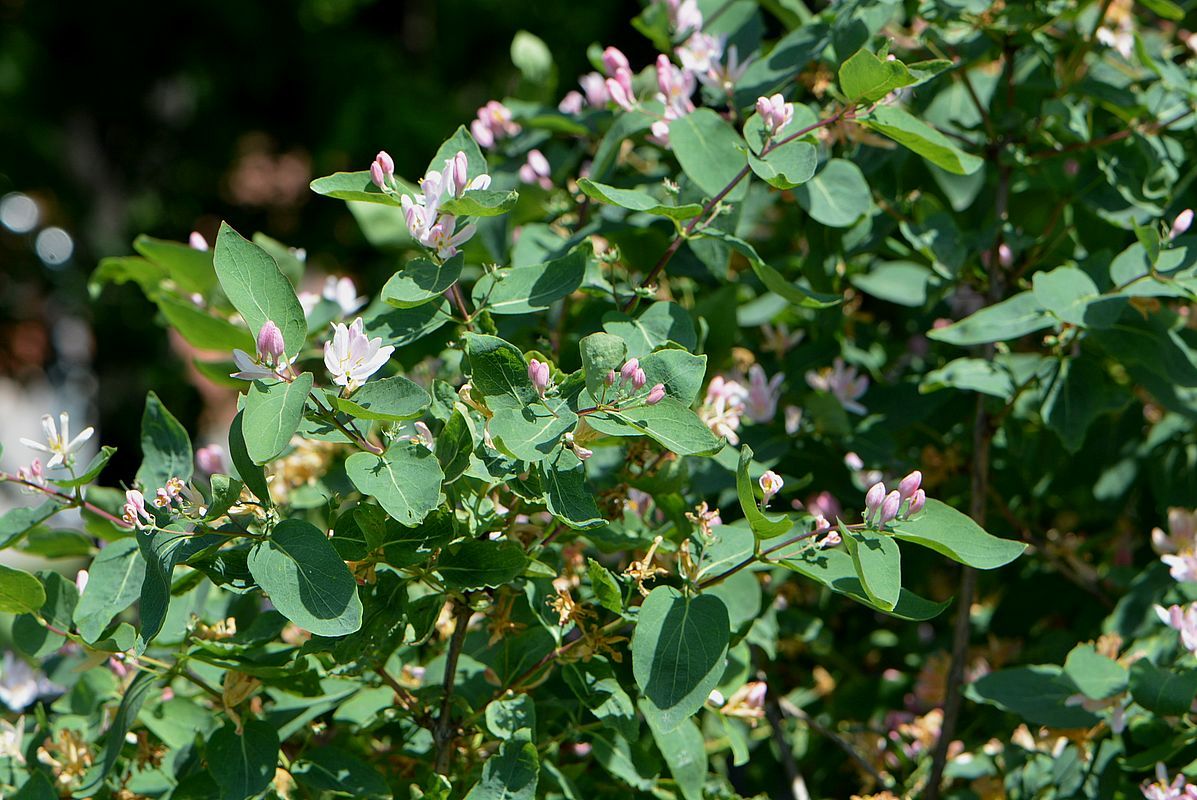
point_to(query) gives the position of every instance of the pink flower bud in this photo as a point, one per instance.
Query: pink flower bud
(655, 394)
(582, 453)
(910, 484)
(1183, 221)
(538, 373)
(376, 175)
(639, 379)
(270, 342)
(890, 506)
(874, 498)
(386, 163)
(1005, 255)
(917, 501)
(572, 103)
(629, 369)
(620, 90)
(611, 377)
(614, 60)
(459, 168)
(210, 459)
(482, 133)
(197, 241)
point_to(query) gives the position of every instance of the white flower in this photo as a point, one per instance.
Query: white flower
(60, 446)
(342, 292)
(700, 52)
(352, 357)
(10, 739)
(1183, 620)
(21, 684)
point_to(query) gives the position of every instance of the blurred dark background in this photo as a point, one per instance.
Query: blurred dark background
(163, 118)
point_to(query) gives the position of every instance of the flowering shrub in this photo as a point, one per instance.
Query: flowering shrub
(555, 515)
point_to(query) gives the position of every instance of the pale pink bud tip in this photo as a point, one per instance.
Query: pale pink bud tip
(656, 394)
(629, 368)
(376, 175)
(1183, 221)
(538, 373)
(890, 506)
(270, 341)
(875, 497)
(910, 484)
(384, 160)
(614, 60)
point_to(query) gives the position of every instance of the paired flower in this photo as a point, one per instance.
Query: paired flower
(271, 362)
(352, 357)
(34, 475)
(902, 503)
(494, 122)
(537, 170)
(844, 383)
(775, 112)
(539, 374)
(134, 511)
(59, 444)
(427, 224)
(382, 170)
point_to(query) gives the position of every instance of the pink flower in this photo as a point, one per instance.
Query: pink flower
(723, 407)
(494, 122)
(134, 510)
(793, 419)
(917, 501)
(614, 60)
(770, 484)
(684, 16)
(910, 484)
(655, 394)
(537, 170)
(775, 112)
(700, 52)
(270, 342)
(844, 383)
(342, 292)
(572, 103)
(659, 133)
(81, 578)
(352, 357)
(619, 88)
(538, 373)
(628, 370)
(676, 88)
(761, 403)
(210, 459)
(382, 169)
(874, 498)
(595, 87)
(890, 506)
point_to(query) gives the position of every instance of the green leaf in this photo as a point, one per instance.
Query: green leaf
(16, 522)
(636, 200)
(252, 474)
(866, 78)
(201, 329)
(497, 368)
(57, 611)
(481, 203)
(330, 769)
(1166, 9)
(258, 289)
(272, 414)
(709, 150)
(680, 371)
(478, 564)
(88, 475)
(38, 787)
(532, 58)
(454, 444)
(1011, 318)
(605, 587)
(122, 269)
(165, 447)
(161, 551)
(678, 653)
(402, 326)
(406, 480)
(1168, 692)
(763, 525)
(945, 530)
(601, 352)
(787, 166)
(527, 290)
(684, 749)
(774, 281)
(566, 494)
(306, 580)
(901, 282)
(660, 323)
(914, 134)
(838, 196)
(508, 715)
(1071, 295)
(605, 156)
(1039, 694)
(390, 400)
(1081, 392)
(669, 423)
(114, 582)
(357, 186)
(1097, 676)
(191, 269)
(835, 569)
(20, 591)
(510, 774)
(243, 764)
(460, 141)
(226, 493)
(421, 281)
(971, 375)
(114, 738)
(878, 564)
(529, 432)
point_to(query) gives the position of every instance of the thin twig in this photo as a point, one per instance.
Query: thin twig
(71, 502)
(793, 775)
(839, 741)
(443, 734)
(1117, 136)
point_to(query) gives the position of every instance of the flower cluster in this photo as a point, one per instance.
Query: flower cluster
(271, 362)
(536, 170)
(728, 401)
(628, 382)
(902, 503)
(1162, 788)
(59, 444)
(351, 357)
(494, 122)
(427, 223)
(174, 496)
